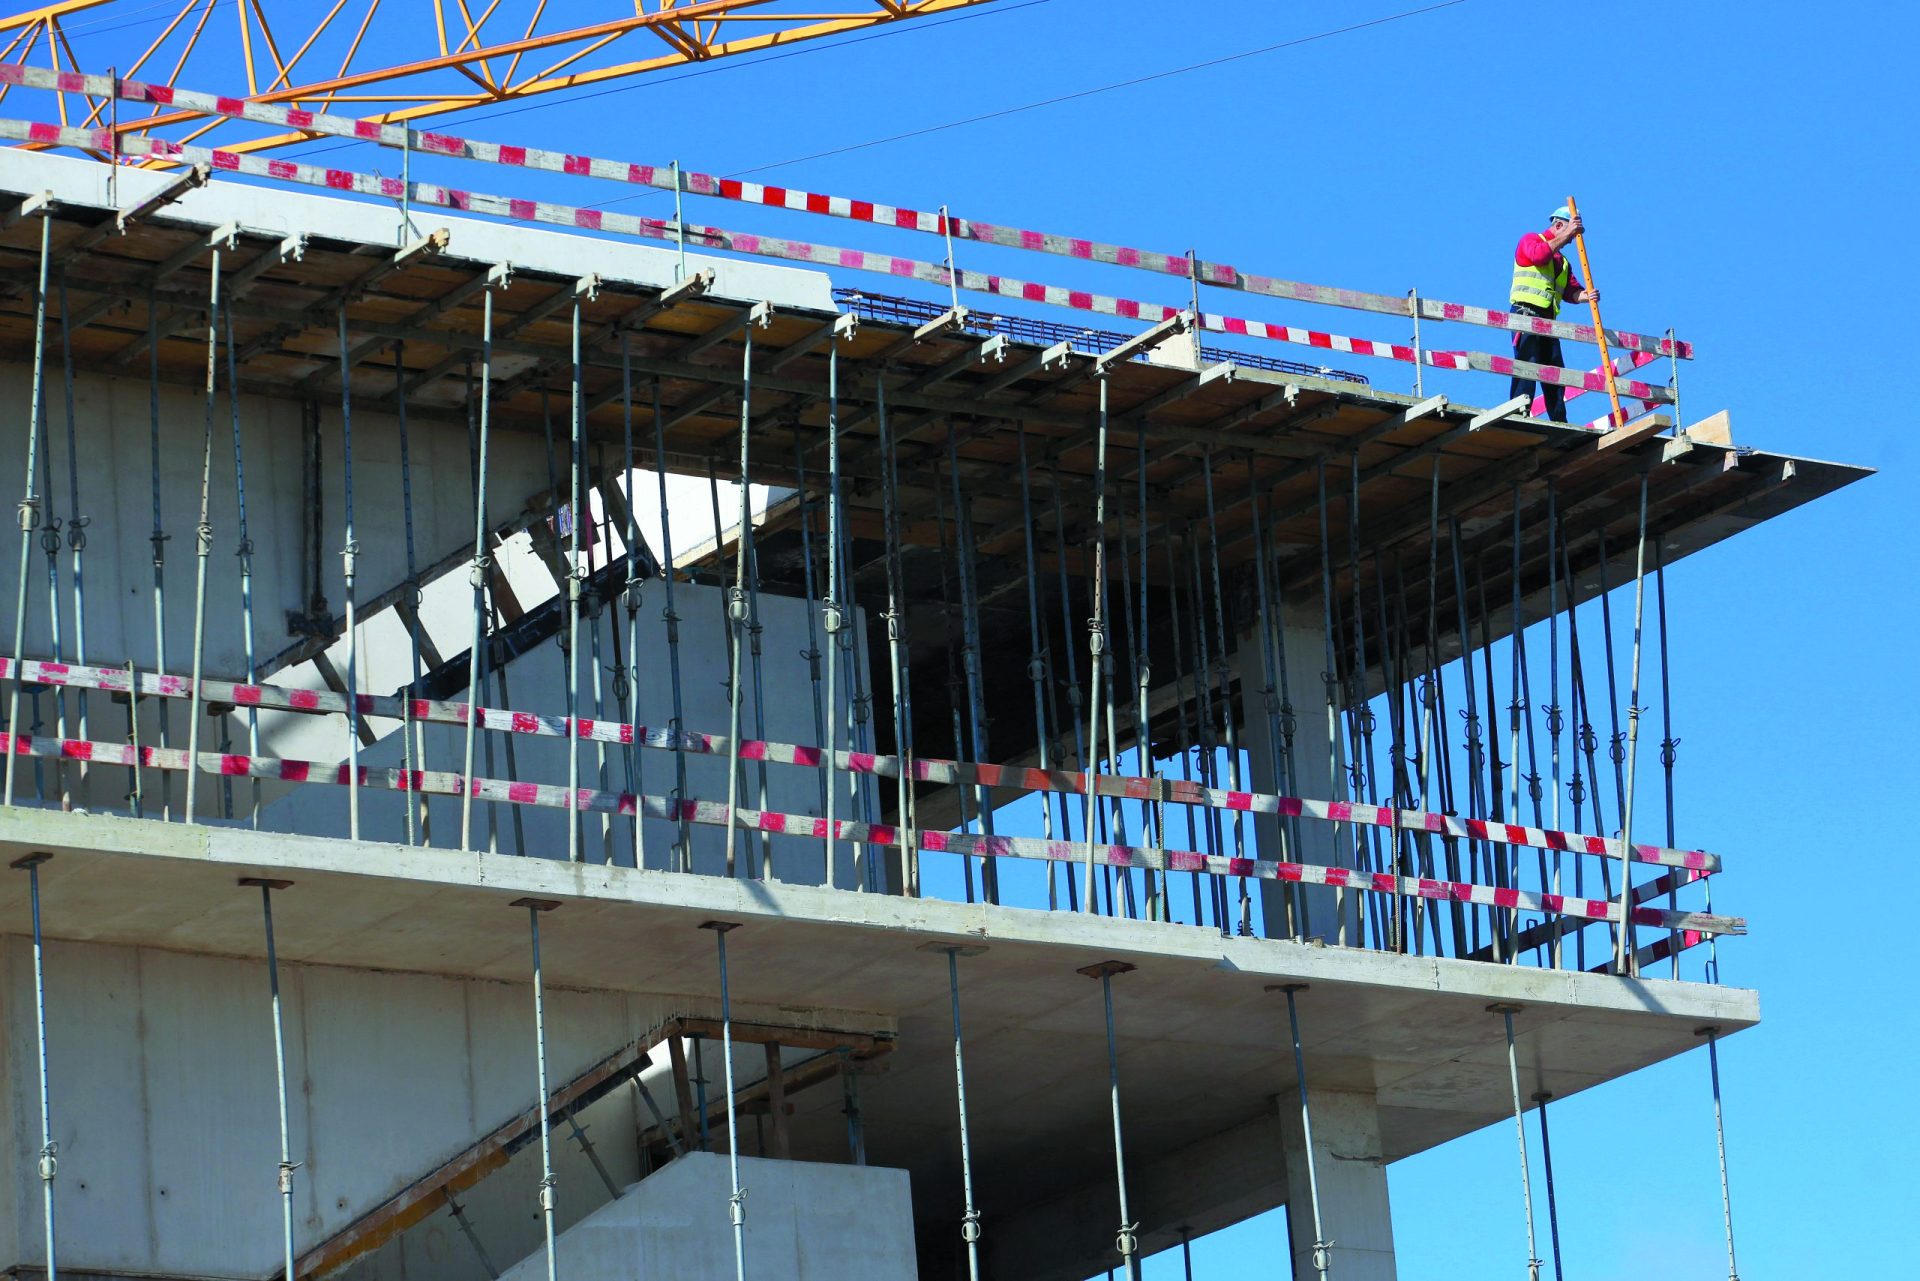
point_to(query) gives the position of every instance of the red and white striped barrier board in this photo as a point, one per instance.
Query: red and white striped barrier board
(1621, 365)
(716, 813)
(923, 769)
(541, 211)
(664, 177)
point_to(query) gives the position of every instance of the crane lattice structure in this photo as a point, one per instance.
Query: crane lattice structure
(397, 61)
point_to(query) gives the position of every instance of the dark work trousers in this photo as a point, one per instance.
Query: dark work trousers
(1541, 350)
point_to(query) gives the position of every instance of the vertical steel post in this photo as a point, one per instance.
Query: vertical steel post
(1555, 720)
(77, 525)
(1037, 664)
(477, 571)
(970, 1220)
(1624, 961)
(970, 660)
(158, 539)
(1720, 1137)
(576, 570)
(287, 1165)
(682, 860)
(203, 542)
(349, 564)
(49, 1160)
(1546, 1162)
(414, 744)
(737, 1202)
(831, 621)
(1127, 1240)
(244, 551)
(29, 520)
(543, 1104)
(1506, 1011)
(1096, 633)
(634, 581)
(1322, 1248)
(896, 642)
(739, 613)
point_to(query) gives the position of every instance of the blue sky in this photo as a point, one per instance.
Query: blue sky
(1747, 171)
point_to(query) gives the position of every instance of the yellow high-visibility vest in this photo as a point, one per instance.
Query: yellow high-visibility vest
(1542, 286)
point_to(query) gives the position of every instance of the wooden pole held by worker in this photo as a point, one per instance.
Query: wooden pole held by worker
(1599, 333)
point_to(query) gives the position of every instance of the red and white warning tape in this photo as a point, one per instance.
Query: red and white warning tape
(666, 177)
(1621, 365)
(716, 813)
(891, 265)
(923, 769)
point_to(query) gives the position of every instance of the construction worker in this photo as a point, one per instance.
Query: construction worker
(1542, 280)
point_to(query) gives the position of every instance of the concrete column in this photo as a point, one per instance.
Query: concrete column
(1315, 775)
(1354, 1212)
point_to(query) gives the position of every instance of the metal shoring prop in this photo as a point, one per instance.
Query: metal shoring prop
(737, 1202)
(1433, 737)
(1126, 1241)
(1330, 678)
(1625, 962)
(1617, 740)
(1186, 739)
(1555, 719)
(1546, 1160)
(29, 521)
(287, 1164)
(77, 529)
(1534, 785)
(750, 545)
(682, 854)
(244, 551)
(414, 742)
(1476, 797)
(1506, 1011)
(896, 638)
(1289, 722)
(459, 1214)
(543, 1104)
(158, 539)
(596, 612)
(1322, 1248)
(860, 787)
(1495, 863)
(1360, 717)
(1396, 661)
(1038, 660)
(1234, 781)
(832, 622)
(576, 574)
(203, 544)
(1269, 695)
(477, 572)
(1204, 704)
(1153, 814)
(1719, 1118)
(49, 1157)
(1516, 713)
(970, 1220)
(954, 683)
(812, 653)
(1072, 717)
(1584, 740)
(1140, 722)
(50, 546)
(1124, 541)
(970, 659)
(1097, 642)
(630, 699)
(1118, 828)
(1669, 745)
(349, 563)
(738, 615)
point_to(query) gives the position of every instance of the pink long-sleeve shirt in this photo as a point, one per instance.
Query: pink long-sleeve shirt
(1533, 250)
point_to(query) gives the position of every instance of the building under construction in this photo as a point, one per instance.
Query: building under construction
(543, 742)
